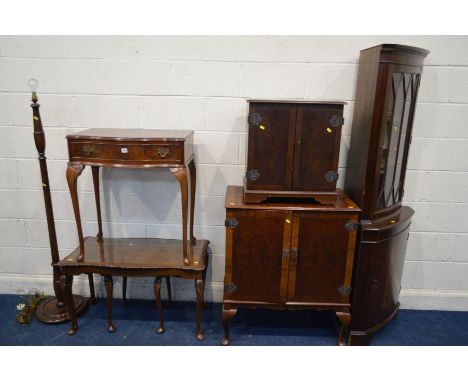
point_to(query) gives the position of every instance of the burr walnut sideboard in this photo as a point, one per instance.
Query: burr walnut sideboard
(289, 256)
(293, 149)
(134, 148)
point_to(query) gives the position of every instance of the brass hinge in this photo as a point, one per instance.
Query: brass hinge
(252, 174)
(254, 119)
(352, 226)
(231, 222)
(344, 290)
(336, 121)
(230, 287)
(331, 176)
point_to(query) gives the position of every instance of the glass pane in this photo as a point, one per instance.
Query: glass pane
(400, 97)
(411, 85)
(389, 145)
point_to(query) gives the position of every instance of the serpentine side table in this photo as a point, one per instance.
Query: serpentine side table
(132, 148)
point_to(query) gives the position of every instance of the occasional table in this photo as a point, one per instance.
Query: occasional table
(134, 148)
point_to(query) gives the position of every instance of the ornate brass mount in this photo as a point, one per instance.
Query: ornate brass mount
(163, 151)
(336, 121)
(88, 149)
(331, 176)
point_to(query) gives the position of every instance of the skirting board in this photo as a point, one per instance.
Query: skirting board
(137, 287)
(183, 290)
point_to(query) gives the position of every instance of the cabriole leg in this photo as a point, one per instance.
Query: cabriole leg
(73, 172)
(169, 291)
(92, 293)
(226, 315)
(109, 283)
(181, 175)
(345, 319)
(124, 290)
(200, 290)
(67, 283)
(157, 295)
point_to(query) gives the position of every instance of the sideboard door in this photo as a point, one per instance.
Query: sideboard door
(321, 268)
(317, 147)
(270, 146)
(257, 251)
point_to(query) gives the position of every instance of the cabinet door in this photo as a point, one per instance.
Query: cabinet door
(270, 146)
(256, 256)
(321, 267)
(317, 146)
(379, 272)
(397, 120)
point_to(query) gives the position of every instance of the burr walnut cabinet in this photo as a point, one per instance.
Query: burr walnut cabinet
(289, 255)
(293, 149)
(388, 81)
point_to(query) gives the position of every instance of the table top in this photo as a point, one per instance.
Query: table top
(132, 134)
(235, 200)
(137, 253)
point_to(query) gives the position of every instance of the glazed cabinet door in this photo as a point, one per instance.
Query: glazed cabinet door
(401, 90)
(270, 146)
(317, 147)
(321, 258)
(257, 243)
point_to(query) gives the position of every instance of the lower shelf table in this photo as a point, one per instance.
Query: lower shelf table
(136, 257)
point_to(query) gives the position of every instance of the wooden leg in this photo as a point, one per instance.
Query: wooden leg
(157, 295)
(92, 299)
(108, 282)
(95, 170)
(345, 319)
(200, 290)
(58, 287)
(124, 290)
(226, 315)
(73, 172)
(67, 283)
(181, 175)
(193, 186)
(169, 291)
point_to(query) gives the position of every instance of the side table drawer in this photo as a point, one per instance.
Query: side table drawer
(122, 152)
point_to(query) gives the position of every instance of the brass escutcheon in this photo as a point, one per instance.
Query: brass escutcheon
(163, 151)
(88, 149)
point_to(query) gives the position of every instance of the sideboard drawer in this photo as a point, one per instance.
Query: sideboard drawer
(95, 151)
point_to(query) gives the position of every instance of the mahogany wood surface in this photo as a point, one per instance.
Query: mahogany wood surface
(291, 146)
(288, 256)
(133, 148)
(374, 105)
(136, 257)
(388, 81)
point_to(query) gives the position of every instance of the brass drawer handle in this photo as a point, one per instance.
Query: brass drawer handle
(163, 151)
(88, 149)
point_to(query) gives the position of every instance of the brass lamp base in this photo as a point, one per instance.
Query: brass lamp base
(48, 312)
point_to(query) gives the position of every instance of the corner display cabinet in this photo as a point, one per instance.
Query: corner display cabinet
(389, 76)
(289, 256)
(293, 150)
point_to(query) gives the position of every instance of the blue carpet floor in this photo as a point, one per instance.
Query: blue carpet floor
(136, 325)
